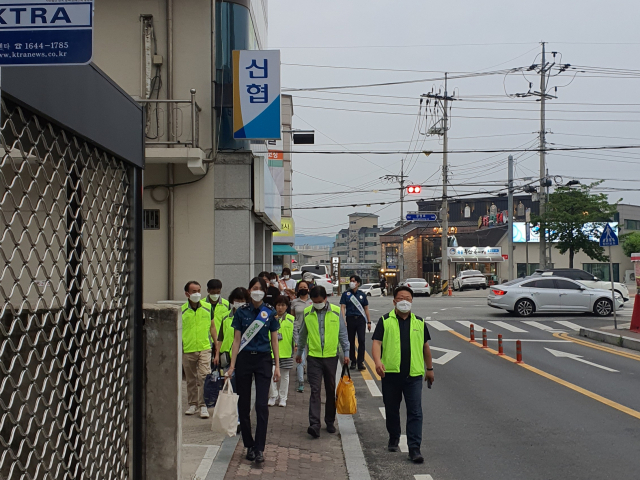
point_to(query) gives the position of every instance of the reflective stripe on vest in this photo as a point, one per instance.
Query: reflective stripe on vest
(391, 349)
(196, 326)
(331, 332)
(285, 346)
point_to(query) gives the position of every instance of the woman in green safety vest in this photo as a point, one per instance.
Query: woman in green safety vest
(286, 345)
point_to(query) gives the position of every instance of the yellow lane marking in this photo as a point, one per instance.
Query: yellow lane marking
(553, 378)
(585, 343)
(369, 361)
(365, 375)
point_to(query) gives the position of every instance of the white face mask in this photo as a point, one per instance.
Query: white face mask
(257, 295)
(352, 285)
(286, 277)
(274, 282)
(237, 305)
(403, 306)
(319, 306)
(307, 278)
(215, 297)
(195, 297)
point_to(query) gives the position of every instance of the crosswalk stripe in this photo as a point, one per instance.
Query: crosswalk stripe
(508, 326)
(570, 325)
(467, 324)
(423, 477)
(383, 412)
(404, 448)
(438, 325)
(539, 325)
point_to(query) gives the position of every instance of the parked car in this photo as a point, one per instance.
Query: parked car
(318, 279)
(322, 270)
(371, 289)
(418, 285)
(470, 279)
(586, 279)
(526, 296)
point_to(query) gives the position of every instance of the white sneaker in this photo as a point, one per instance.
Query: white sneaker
(204, 413)
(191, 411)
(272, 402)
(283, 403)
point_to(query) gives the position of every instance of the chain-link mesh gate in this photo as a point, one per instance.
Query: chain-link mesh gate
(65, 321)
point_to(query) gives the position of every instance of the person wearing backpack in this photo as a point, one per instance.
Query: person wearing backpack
(286, 345)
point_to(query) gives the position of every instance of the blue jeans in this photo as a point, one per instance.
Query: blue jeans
(300, 366)
(394, 386)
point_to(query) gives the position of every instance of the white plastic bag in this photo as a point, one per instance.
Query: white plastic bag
(225, 413)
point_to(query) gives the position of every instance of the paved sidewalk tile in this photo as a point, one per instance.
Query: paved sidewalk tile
(291, 453)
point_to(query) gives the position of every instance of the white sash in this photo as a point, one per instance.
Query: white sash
(253, 329)
(355, 301)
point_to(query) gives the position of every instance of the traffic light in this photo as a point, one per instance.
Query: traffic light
(412, 189)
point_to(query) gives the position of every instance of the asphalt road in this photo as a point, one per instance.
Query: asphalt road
(569, 413)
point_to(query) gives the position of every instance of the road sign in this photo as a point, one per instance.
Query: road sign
(39, 32)
(608, 237)
(429, 217)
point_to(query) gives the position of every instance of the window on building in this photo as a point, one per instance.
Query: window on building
(391, 256)
(632, 224)
(361, 245)
(370, 244)
(522, 269)
(601, 270)
(151, 219)
(352, 222)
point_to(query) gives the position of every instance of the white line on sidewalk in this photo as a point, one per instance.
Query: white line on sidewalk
(571, 325)
(404, 448)
(383, 412)
(373, 388)
(438, 325)
(539, 325)
(508, 326)
(467, 324)
(354, 458)
(207, 461)
(423, 477)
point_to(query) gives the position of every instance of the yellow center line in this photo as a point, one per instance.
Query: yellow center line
(369, 361)
(585, 343)
(553, 378)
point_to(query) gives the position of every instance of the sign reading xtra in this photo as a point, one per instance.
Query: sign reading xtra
(46, 32)
(256, 94)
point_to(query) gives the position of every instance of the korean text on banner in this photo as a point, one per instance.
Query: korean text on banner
(256, 94)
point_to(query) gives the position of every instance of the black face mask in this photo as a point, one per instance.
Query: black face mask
(303, 292)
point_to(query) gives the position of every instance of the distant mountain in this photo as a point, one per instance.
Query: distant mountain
(315, 240)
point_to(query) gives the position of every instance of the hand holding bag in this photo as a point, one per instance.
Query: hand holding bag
(225, 415)
(346, 394)
(213, 383)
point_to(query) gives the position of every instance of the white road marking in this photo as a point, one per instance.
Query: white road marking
(508, 326)
(438, 325)
(373, 310)
(476, 327)
(442, 309)
(404, 448)
(539, 325)
(383, 412)
(571, 325)
(423, 477)
(207, 461)
(373, 388)
(573, 356)
(448, 355)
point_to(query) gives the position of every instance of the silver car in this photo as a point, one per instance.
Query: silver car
(526, 296)
(419, 286)
(470, 279)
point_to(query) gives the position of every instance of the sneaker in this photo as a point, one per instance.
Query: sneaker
(313, 432)
(191, 411)
(272, 401)
(204, 413)
(361, 367)
(331, 428)
(394, 444)
(259, 457)
(251, 454)
(283, 403)
(416, 457)
(300, 388)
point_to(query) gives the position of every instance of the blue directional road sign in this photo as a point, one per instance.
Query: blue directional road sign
(428, 217)
(608, 237)
(39, 32)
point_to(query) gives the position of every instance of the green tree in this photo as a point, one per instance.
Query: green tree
(573, 217)
(630, 243)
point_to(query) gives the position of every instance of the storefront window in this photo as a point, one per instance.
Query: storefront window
(601, 270)
(522, 269)
(392, 257)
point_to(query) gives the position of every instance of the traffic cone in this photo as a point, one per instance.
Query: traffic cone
(450, 291)
(635, 316)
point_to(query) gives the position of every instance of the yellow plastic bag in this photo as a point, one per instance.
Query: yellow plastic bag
(346, 394)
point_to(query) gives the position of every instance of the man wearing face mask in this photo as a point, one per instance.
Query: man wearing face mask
(220, 306)
(400, 352)
(355, 308)
(322, 330)
(198, 331)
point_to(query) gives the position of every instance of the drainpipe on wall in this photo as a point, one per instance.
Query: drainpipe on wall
(170, 166)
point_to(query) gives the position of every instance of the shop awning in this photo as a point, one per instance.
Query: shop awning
(284, 250)
(473, 259)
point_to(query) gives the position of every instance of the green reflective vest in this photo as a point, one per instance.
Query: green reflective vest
(331, 332)
(285, 346)
(220, 312)
(196, 325)
(391, 345)
(228, 333)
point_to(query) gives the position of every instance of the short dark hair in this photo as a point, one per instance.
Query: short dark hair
(286, 271)
(356, 278)
(214, 284)
(298, 285)
(263, 274)
(282, 299)
(189, 283)
(402, 288)
(239, 293)
(273, 275)
(260, 280)
(318, 291)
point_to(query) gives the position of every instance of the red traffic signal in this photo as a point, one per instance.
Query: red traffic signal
(414, 189)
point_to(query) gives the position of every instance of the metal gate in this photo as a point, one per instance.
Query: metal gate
(66, 320)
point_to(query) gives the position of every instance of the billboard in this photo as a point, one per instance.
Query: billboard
(520, 232)
(256, 95)
(287, 233)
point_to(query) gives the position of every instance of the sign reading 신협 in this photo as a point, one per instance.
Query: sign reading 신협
(256, 94)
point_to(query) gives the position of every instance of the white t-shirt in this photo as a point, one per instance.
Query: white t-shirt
(291, 284)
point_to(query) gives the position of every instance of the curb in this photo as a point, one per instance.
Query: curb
(220, 464)
(611, 338)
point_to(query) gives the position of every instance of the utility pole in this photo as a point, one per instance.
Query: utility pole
(401, 180)
(510, 218)
(543, 167)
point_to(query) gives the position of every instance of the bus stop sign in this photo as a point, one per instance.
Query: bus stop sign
(46, 32)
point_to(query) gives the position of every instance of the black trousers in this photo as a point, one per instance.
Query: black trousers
(249, 366)
(317, 370)
(356, 326)
(394, 387)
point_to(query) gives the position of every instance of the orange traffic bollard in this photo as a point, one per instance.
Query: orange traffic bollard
(518, 351)
(500, 350)
(450, 291)
(472, 334)
(484, 338)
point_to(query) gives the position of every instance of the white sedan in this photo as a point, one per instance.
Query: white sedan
(371, 289)
(318, 279)
(418, 285)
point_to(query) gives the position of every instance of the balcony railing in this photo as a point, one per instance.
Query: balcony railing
(158, 112)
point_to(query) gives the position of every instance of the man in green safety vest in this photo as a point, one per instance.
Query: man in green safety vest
(322, 330)
(400, 352)
(219, 306)
(198, 333)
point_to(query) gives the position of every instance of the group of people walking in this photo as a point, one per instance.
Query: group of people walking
(260, 331)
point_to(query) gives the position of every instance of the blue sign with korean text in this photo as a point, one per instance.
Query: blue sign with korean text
(428, 217)
(608, 237)
(46, 32)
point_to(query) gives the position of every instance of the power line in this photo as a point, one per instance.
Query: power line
(498, 150)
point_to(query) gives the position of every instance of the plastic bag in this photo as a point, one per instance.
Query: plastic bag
(346, 394)
(225, 415)
(213, 383)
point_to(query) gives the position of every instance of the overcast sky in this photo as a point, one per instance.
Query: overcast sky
(456, 36)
